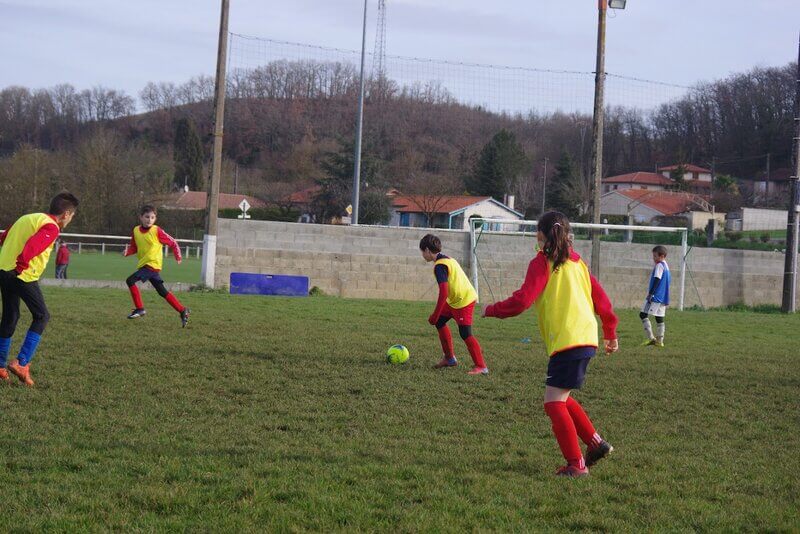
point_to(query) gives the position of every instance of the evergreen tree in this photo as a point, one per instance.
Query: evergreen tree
(188, 156)
(337, 187)
(563, 194)
(500, 165)
(676, 175)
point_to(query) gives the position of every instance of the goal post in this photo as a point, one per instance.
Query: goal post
(511, 240)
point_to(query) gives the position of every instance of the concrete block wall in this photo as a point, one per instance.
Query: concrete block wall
(380, 262)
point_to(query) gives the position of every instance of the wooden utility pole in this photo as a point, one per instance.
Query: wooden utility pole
(597, 130)
(210, 238)
(789, 304)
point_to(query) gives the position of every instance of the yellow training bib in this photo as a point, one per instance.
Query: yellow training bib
(19, 233)
(461, 293)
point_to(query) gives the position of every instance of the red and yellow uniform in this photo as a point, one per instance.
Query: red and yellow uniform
(27, 245)
(147, 243)
(566, 302)
(456, 301)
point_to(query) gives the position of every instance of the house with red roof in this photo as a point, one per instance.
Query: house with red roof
(447, 211)
(197, 200)
(697, 179)
(645, 206)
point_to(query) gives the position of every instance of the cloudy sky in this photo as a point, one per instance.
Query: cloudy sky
(125, 44)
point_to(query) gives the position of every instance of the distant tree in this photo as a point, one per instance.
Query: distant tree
(564, 194)
(725, 183)
(188, 156)
(500, 165)
(337, 186)
(676, 175)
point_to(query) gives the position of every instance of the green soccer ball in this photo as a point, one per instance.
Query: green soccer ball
(397, 354)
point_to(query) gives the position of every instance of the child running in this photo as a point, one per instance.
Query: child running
(146, 242)
(657, 299)
(26, 248)
(567, 298)
(456, 301)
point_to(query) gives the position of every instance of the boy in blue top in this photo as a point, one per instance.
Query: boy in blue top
(657, 298)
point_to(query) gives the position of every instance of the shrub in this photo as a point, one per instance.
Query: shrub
(733, 236)
(765, 237)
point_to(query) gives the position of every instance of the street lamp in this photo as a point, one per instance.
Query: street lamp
(597, 122)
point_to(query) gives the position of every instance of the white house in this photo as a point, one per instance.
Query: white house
(698, 179)
(650, 181)
(446, 211)
(644, 206)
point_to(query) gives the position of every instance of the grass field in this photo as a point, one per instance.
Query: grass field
(113, 266)
(281, 414)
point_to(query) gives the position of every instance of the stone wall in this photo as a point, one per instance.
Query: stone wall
(378, 262)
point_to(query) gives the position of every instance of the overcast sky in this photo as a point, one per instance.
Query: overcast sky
(125, 44)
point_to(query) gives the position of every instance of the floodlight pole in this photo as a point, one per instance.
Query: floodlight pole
(359, 124)
(789, 304)
(210, 237)
(597, 130)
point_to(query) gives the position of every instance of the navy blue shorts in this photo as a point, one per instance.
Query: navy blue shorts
(146, 275)
(567, 370)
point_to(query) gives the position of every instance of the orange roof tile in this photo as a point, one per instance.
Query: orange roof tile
(688, 166)
(666, 202)
(442, 204)
(645, 178)
(196, 200)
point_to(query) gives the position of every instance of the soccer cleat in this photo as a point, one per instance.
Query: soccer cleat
(446, 362)
(185, 317)
(4, 375)
(23, 372)
(138, 312)
(659, 344)
(649, 342)
(595, 454)
(478, 371)
(572, 471)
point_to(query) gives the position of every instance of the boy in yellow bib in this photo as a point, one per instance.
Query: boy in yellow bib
(567, 298)
(456, 301)
(146, 242)
(26, 248)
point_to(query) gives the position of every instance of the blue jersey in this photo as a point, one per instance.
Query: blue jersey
(659, 283)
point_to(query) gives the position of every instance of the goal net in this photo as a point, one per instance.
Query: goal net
(500, 251)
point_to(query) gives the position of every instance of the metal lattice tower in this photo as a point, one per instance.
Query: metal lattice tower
(379, 55)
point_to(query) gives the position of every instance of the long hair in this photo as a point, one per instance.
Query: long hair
(555, 227)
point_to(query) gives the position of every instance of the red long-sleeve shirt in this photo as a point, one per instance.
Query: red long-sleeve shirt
(62, 257)
(536, 280)
(36, 244)
(163, 238)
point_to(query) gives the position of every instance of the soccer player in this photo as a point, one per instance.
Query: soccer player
(567, 298)
(26, 248)
(657, 299)
(146, 242)
(456, 301)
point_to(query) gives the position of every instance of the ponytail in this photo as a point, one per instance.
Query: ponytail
(555, 227)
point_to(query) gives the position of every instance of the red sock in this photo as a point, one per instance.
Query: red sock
(564, 430)
(137, 297)
(174, 302)
(583, 425)
(475, 351)
(447, 341)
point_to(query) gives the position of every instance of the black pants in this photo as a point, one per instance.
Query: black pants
(61, 271)
(13, 290)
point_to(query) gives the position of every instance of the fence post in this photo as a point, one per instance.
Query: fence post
(80, 247)
(103, 249)
(684, 253)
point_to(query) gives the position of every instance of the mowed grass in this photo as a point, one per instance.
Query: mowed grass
(281, 414)
(113, 266)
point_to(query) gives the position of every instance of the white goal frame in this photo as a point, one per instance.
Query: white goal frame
(479, 222)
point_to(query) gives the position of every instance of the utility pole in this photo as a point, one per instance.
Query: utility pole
(544, 186)
(210, 237)
(359, 125)
(767, 179)
(790, 272)
(597, 130)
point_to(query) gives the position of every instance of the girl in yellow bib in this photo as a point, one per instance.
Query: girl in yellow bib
(567, 298)
(147, 241)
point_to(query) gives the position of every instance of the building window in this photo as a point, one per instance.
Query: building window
(404, 219)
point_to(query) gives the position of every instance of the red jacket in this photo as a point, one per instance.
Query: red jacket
(62, 257)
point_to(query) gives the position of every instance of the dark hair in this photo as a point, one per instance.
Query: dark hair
(147, 208)
(660, 250)
(430, 242)
(62, 203)
(555, 227)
